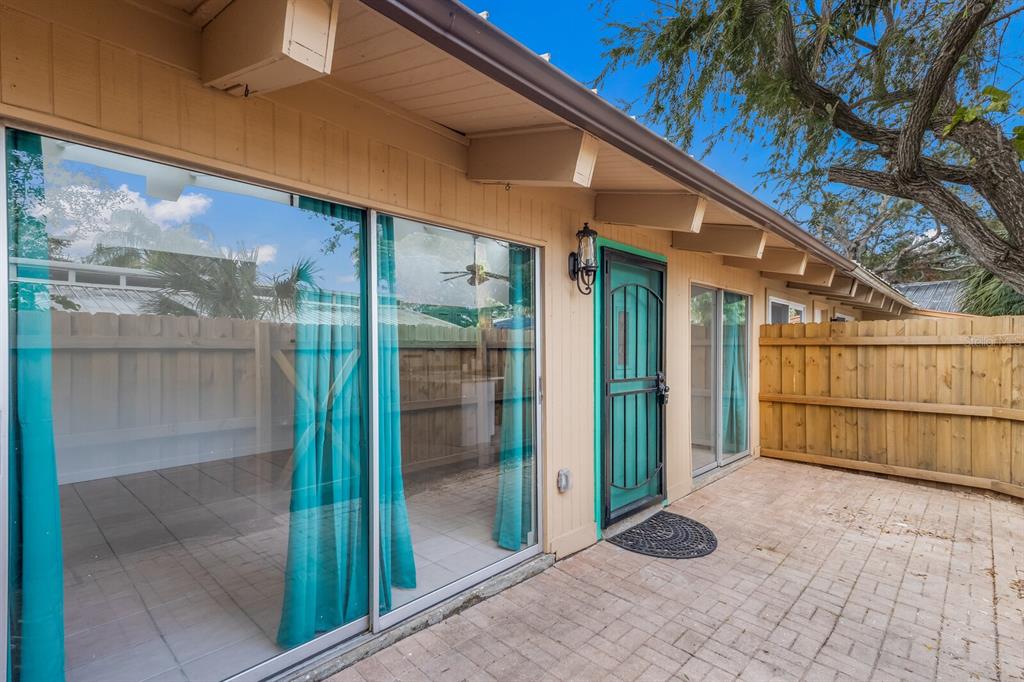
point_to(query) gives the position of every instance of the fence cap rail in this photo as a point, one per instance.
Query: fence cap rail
(955, 340)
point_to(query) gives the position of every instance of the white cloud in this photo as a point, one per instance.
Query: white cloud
(187, 207)
(266, 253)
(89, 216)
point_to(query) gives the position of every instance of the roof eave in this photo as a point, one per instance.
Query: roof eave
(462, 33)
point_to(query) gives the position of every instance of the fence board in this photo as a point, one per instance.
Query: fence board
(818, 417)
(771, 382)
(941, 400)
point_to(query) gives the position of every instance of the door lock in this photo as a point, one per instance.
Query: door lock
(662, 389)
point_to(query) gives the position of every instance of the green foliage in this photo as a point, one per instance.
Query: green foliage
(986, 294)
(993, 100)
(229, 287)
(721, 62)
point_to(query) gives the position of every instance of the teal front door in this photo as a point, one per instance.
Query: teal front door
(633, 376)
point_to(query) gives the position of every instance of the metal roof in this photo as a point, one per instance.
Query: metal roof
(944, 296)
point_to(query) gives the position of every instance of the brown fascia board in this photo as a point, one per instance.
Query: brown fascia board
(462, 33)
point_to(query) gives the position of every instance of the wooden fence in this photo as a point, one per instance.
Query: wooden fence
(941, 400)
(133, 393)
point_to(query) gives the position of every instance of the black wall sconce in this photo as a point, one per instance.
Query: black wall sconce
(583, 261)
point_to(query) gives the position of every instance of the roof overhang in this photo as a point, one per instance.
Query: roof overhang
(463, 34)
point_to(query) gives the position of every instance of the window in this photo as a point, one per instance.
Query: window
(781, 311)
(191, 425)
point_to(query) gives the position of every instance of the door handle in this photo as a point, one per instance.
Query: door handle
(662, 389)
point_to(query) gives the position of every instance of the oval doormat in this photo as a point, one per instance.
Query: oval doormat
(668, 536)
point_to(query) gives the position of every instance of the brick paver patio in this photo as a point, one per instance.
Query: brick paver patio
(820, 574)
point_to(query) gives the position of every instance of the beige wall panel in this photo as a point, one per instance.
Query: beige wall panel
(358, 164)
(198, 119)
(398, 176)
(259, 134)
(336, 168)
(353, 111)
(229, 137)
(432, 187)
(447, 195)
(119, 90)
(287, 142)
(314, 148)
(159, 103)
(378, 171)
(25, 61)
(415, 174)
(147, 30)
(76, 93)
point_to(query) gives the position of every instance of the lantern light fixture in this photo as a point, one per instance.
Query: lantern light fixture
(583, 261)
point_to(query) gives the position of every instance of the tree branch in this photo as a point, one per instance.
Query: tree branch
(992, 252)
(996, 174)
(1004, 15)
(886, 99)
(958, 38)
(913, 246)
(961, 175)
(824, 101)
(875, 181)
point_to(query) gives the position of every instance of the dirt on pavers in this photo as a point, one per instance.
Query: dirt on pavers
(819, 574)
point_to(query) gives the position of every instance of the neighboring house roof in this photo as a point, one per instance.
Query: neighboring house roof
(137, 301)
(944, 296)
(463, 34)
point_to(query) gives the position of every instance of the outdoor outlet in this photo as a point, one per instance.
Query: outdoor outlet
(564, 481)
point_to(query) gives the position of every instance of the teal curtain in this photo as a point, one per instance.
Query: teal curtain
(397, 564)
(734, 373)
(327, 571)
(36, 581)
(513, 519)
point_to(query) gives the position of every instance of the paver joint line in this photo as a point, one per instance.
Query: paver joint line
(820, 574)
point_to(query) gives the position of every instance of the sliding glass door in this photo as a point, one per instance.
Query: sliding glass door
(194, 381)
(458, 485)
(719, 386)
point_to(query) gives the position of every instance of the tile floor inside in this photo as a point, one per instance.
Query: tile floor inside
(177, 574)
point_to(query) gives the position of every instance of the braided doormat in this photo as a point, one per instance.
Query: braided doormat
(668, 536)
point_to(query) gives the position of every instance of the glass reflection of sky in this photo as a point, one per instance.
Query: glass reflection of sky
(216, 221)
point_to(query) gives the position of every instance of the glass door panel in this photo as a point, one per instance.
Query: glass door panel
(703, 373)
(457, 422)
(719, 371)
(735, 363)
(188, 492)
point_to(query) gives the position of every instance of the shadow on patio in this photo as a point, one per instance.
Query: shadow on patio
(820, 574)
